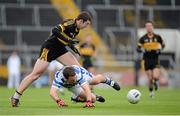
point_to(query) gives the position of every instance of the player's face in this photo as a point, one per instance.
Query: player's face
(72, 80)
(83, 24)
(149, 27)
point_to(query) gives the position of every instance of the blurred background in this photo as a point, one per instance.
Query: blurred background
(117, 26)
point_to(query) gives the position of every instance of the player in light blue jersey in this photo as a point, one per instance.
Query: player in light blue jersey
(77, 80)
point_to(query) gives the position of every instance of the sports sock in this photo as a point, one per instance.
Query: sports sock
(17, 95)
(109, 81)
(155, 80)
(155, 84)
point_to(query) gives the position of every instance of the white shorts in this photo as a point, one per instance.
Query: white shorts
(76, 91)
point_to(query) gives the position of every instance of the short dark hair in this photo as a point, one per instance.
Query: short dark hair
(68, 71)
(148, 21)
(85, 16)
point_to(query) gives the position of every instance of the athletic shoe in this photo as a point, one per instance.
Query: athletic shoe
(100, 98)
(115, 85)
(151, 94)
(14, 102)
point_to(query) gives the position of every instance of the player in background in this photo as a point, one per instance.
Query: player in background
(88, 54)
(14, 70)
(54, 48)
(77, 80)
(151, 45)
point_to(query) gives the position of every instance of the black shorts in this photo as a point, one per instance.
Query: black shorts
(52, 49)
(87, 62)
(151, 63)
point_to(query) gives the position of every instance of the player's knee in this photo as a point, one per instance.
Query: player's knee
(156, 78)
(150, 77)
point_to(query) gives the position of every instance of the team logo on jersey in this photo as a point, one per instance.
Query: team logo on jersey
(72, 34)
(146, 40)
(155, 39)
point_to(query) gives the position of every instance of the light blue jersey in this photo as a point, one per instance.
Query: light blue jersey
(83, 76)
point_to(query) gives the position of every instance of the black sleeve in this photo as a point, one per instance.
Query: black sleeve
(139, 45)
(162, 42)
(57, 32)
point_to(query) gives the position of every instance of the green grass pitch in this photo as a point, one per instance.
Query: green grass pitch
(38, 102)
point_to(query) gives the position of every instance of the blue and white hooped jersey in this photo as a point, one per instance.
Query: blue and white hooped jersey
(83, 76)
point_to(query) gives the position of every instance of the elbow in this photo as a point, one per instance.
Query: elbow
(55, 31)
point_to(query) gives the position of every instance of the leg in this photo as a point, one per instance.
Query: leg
(68, 59)
(150, 78)
(79, 95)
(98, 79)
(156, 75)
(39, 67)
(101, 79)
(83, 96)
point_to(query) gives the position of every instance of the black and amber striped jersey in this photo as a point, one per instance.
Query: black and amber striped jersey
(150, 44)
(87, 49)
(65, 31)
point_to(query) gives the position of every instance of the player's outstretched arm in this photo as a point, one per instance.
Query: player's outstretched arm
(55, 97)
(87, 91)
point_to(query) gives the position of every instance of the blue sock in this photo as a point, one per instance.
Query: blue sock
(108, 81)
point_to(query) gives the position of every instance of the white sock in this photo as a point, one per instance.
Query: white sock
(16, 95)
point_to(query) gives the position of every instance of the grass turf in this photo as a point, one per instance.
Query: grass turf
(38, 102)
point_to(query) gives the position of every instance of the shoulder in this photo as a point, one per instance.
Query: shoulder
(145, 35)
(75, 66)
(68, 22)
(142, 37)
(58, 75)
(76, 69)
(158, 37)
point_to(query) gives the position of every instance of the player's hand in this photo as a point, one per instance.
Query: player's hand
(74, 49)
(61, 103)
(73, 41)
(88, 104)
